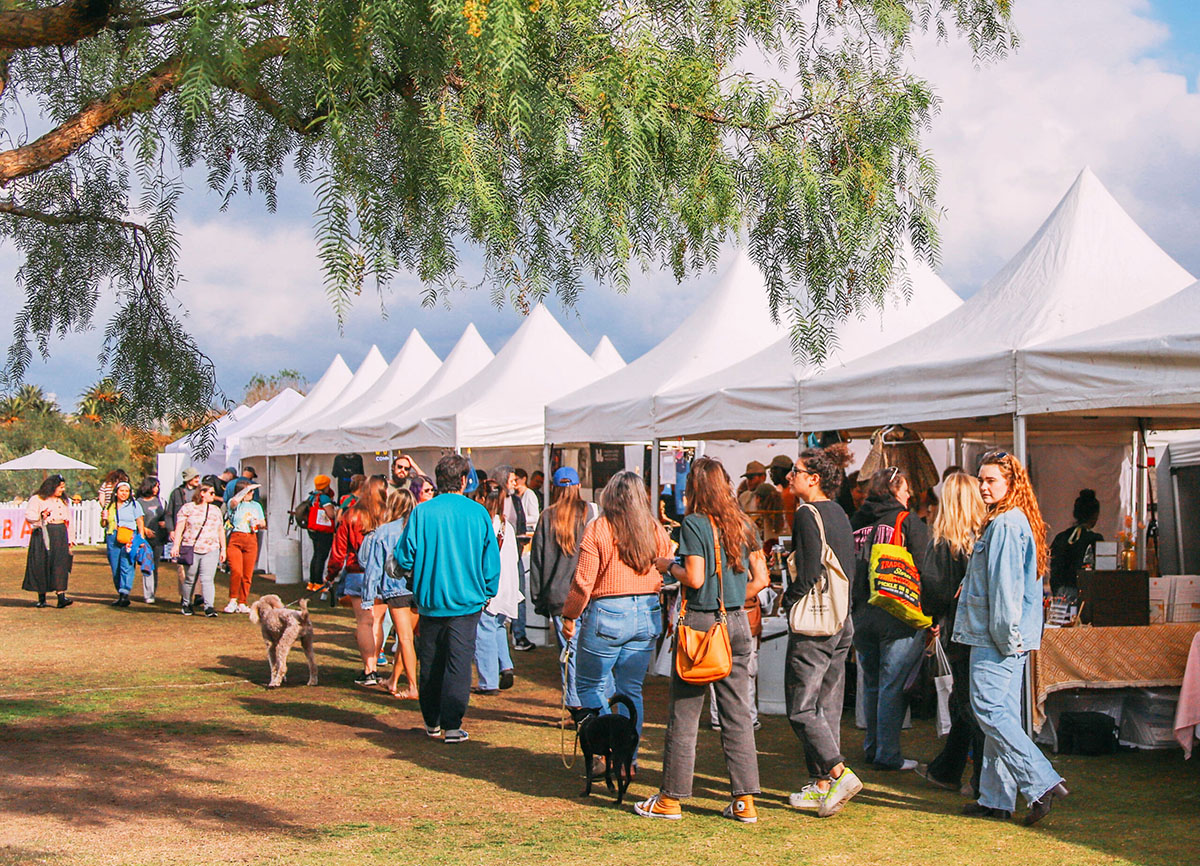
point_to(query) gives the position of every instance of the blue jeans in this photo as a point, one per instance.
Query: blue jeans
(491, 649)
(886, 662)
(121, 563)
(570, 691)
(1011, 761)
(518, 624)
(616, 642)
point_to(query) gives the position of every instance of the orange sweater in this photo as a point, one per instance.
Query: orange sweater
(601, 572)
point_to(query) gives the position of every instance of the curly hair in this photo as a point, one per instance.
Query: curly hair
(1020, 495)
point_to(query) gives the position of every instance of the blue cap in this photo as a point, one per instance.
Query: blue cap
(565, 477)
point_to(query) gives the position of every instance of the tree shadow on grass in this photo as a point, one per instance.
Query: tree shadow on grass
(126, 767)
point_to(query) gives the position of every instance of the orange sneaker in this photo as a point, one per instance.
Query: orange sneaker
(742, 809)
(659, 806)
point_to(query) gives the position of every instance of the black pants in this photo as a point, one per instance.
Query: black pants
(965, 735)
(446, 651)
(322, 543)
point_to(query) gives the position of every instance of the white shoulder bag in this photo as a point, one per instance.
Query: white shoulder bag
(823, 611)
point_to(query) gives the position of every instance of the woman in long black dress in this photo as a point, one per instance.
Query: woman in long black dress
(48, 563)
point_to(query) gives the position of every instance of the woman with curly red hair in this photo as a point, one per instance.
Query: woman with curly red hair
(1000, 619)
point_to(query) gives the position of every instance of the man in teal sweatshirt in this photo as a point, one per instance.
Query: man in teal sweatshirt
(450, 550)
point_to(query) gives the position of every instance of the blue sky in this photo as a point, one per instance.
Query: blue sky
(1106, 83)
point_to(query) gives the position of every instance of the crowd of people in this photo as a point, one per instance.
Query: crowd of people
(442, 562)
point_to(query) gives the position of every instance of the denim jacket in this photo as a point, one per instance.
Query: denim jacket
(1001, 601)
(373, 554)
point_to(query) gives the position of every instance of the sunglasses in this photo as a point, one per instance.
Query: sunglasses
(994, 455)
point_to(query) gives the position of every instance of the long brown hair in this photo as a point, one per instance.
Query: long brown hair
(709, 493)
(400, 503)
(567, 517)
(370, 511)
(491, 495)
(1020, 495)
(635, 530)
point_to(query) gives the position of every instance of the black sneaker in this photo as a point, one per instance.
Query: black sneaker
(367, 679)
(524, 645)
(506, 679)
(210, 612)
(185, 609)
(63, 601)
(122, 601)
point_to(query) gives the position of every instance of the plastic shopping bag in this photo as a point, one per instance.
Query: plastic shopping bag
(944, 683)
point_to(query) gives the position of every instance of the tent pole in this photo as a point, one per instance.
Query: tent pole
(1019, 443)
(1020, 450)
(655, 487)
(1178, 521)
(547, 482)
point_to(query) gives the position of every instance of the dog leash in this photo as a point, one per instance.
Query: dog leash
(564, 660)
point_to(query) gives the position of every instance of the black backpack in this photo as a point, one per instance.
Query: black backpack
(1087, 733)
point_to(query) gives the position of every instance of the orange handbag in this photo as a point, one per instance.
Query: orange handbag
(705, 657)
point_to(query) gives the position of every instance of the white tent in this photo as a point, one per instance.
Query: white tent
(1088, 264)
(504, 405)
(329, 388)
(469, 355)
(760, 395)
(367, 374)
(412, 367)
(1146, 365)
(264, 415)
(215, 461)
(727, 326)
(607, 357)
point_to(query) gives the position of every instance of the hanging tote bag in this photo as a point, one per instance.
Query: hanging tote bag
(894, 580)
(705, 657)
(316, 519)
(823, 611)
(943, 683)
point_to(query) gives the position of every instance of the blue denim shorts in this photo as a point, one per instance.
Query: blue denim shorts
(352, 584)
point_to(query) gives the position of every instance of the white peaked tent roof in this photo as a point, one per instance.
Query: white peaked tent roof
(504, 405)
(328, 388)
(760, 395)
(184, 443)
(264, 416)
(1146, 365)
(1088, 264)
(606, 355)
(726, 326)
(372, 367)
(469, 355)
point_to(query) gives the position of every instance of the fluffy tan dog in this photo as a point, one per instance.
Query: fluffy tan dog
(280, 628)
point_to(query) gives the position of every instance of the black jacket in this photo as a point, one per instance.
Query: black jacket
(550, 569)
(180, 497)
(1067, 553)
(875, 512)
(943, 575)
(806, 547)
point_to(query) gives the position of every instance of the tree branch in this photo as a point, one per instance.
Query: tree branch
(181, 14)
(69, 219)
(139, 95)
(64, 24)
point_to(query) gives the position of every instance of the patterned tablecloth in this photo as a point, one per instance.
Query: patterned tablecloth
(1109, 658)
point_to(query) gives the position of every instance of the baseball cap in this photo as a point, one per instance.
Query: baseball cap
(781, 461)
(190, 473)
(231, 470)
(754, 468)
(322, 481)
(565, 477)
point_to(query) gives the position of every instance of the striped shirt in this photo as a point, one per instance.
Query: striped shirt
(601, 572)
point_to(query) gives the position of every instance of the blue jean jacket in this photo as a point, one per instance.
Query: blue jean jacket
(1001, 601)
(373, 554)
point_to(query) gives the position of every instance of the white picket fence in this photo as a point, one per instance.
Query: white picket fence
(85, 523)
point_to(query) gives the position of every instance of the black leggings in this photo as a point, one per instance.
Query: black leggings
(322, 543)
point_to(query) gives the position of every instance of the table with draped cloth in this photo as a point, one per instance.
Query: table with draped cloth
(1110, 657)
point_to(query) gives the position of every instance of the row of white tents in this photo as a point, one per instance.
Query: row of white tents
(1090, 332)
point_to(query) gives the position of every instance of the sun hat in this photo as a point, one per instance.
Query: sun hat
(754, 468)
(322, 481)
(190, 473)
(565, 477)
(781, 461)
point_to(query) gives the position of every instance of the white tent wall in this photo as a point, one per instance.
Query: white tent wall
(1059, 472)
(372, 367)
(1178, 476)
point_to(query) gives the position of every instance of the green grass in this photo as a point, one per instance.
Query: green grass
(144, 772)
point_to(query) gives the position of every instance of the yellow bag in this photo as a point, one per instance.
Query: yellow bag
(895, 582)
(705, 657)
(124, 535)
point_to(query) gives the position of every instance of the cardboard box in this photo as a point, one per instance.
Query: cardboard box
(1185, 599)
(1161, 593)
(1105, 562)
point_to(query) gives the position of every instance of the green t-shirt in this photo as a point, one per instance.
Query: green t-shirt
(696, 539)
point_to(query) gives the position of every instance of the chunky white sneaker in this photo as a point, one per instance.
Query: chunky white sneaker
(808, 797)
(843, 788)
(232, 606)
(243, 608)
(908, 764)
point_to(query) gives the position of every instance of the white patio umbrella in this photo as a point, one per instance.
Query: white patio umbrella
(46, 459)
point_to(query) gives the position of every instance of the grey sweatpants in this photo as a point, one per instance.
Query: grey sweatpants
(814, 684)
(686, 702)
(202, 570)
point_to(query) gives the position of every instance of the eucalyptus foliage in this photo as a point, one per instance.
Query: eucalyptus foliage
(564, 139)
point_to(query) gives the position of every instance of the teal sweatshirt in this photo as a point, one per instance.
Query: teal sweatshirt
(451, 550)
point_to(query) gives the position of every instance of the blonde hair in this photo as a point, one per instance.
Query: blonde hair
(961, 515)
(400, 503)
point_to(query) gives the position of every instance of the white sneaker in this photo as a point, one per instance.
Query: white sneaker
(808, 797)
(908, 764)
(243, 608)
(843, 788)
(232, 606)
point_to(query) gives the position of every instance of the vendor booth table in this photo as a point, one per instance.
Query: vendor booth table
(1109, 658)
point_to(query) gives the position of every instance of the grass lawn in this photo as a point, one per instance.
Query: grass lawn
(139, 736)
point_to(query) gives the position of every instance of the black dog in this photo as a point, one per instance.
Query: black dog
(613, 737)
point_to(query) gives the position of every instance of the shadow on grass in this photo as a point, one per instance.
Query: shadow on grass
(128, 766)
